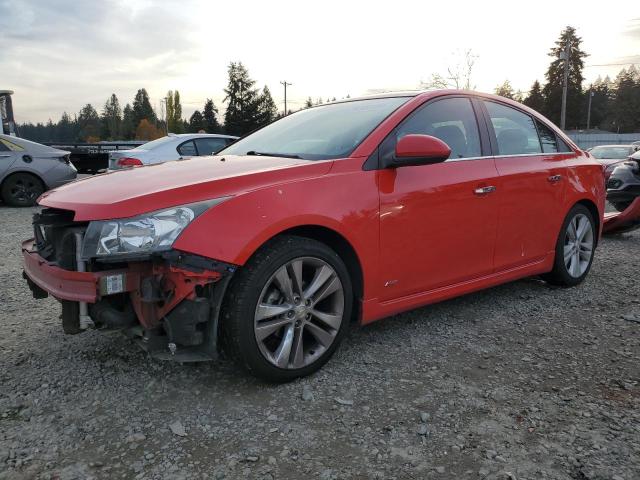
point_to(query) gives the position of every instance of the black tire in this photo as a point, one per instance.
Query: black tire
(621, 206)
(560, 275)
(243, 295)
(21, 190)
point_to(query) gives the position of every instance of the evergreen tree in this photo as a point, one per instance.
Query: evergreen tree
(65, 130)
(111, 118)
(505, 90)
(308, 103)
(89, 124)
(601, 98)
(210, 121)
(128, 123)
(196, 122)
(535, 99)
(142, 108)
(242, 100)
(267, 111)
(626, 101)
(552, 90)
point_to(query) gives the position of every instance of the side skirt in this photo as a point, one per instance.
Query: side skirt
(373, 310)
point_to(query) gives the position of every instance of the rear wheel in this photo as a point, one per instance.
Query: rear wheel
(21, 190)
(574, 249)
(287, 309)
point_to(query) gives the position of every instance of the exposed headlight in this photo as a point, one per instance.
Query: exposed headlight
(151, 232)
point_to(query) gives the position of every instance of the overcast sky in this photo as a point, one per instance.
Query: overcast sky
(58, 55)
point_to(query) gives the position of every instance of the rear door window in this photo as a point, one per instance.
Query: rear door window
(452, 120)
(547, 138)
(515, 131)
(209, 146)
(187, 149)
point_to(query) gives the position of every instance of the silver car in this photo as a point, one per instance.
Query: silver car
(172, 147)
(27, 169)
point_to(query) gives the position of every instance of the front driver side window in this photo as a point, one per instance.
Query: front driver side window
(452, 120)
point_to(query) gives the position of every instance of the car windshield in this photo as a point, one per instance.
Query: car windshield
(613, 153)
(154, 143)
(319, 133)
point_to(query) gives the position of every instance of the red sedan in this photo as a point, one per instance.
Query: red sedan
(353, 210)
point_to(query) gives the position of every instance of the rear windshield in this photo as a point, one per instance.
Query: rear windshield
(154, 143)
(319, 133)
(613, 153)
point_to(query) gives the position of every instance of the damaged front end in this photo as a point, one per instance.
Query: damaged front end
(169, 301)
(623, 193)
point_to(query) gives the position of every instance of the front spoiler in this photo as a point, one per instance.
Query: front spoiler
(71, 285)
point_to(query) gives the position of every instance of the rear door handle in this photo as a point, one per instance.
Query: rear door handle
(485, 190)
(3, 155)
(555, 178)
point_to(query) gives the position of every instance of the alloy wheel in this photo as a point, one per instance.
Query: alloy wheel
(25, 190)
(299, 312)
(578, 245)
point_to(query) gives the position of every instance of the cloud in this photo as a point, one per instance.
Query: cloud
(60, 54)
(633, 30)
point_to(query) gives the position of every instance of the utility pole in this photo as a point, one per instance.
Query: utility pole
(589, 110)
(565, 85)
(285, 95)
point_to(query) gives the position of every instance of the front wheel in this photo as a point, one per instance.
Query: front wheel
(574, 248)
(288, 309)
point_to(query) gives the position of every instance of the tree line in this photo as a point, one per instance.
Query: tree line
(615, 104)
(248, 108)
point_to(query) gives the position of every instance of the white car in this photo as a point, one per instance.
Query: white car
(171, 147)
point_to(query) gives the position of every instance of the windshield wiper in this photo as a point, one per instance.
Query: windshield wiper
(264, 154)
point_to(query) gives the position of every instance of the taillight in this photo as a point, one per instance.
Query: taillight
(129, 162)
(65, 159)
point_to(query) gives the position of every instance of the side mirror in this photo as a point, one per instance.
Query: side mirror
(414, 150)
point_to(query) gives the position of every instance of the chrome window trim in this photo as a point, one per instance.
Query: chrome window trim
(505, 156)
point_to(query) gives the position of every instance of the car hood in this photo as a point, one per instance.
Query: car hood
(130, 192)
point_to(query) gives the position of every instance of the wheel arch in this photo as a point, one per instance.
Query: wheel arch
(593, 209)
(341, 246)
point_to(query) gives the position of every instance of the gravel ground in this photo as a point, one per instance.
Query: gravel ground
(522, 381)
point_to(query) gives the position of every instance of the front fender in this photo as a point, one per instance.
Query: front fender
(346, 203)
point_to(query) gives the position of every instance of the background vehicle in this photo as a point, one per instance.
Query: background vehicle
(93, 157)
(623, 185)
(7, 123)
(171, 147)
(611, 155)
(27, 169)
(357, 209)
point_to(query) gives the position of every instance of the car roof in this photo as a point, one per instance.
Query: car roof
(614, 146)
(199, 135)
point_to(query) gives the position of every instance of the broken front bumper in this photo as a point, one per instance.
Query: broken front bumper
(173, 299)
(74, 286)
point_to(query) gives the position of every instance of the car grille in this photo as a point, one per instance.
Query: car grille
(54, 231)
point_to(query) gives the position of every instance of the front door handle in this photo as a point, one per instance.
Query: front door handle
(5, 155)
(484, 190)
(555, 178)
